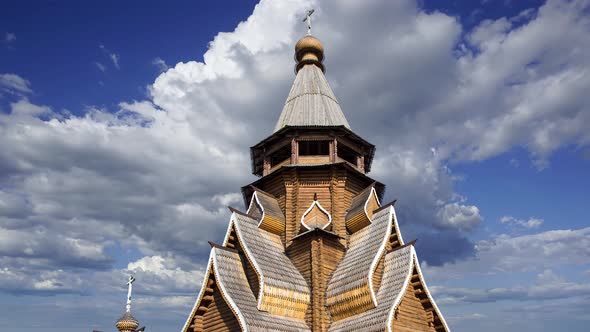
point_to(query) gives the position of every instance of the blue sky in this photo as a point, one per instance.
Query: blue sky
(125, 130)
(69, 33)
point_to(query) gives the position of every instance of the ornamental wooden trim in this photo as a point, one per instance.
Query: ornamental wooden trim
(400, 295)
(316, 205)
(201, 293)
(226, 295)
(444, 327)
(362, 209)
(270, 215)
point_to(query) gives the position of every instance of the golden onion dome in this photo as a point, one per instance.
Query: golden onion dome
(127, 323)
(309, 50)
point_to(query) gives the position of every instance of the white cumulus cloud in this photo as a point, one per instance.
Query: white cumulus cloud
(525, 223)
(13, 83)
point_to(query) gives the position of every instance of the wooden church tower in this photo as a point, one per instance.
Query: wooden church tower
(315, 250)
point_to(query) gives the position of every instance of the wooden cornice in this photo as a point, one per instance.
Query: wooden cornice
(262, 191)
(247, 189)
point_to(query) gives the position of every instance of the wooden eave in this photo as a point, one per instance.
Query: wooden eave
(317, 231)
(219, 246)
(284, 134)
(411, 243)
(249, 189)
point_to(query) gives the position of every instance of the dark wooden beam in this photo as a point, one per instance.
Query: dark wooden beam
(411, 243)
(219, 246)
(242, 213)
(392, 203)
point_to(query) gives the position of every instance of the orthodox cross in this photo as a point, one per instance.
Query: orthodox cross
(130, 288)
(308, 20)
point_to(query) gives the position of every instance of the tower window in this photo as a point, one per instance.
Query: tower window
(280, 155)
(347, 153)
(314, 148)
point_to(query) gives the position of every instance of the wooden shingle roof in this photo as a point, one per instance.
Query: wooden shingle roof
(351, 288)
(311, 102)
(234, 285)
(227, 268)
(266, 209)
(401, 267)
(283, 290)
(397, 273)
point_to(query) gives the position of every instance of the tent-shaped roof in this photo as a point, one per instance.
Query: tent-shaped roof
(311, 102)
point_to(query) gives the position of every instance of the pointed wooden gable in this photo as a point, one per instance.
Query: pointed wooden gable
(226, 303)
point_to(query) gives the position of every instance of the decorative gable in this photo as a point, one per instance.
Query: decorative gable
(316, 217)
(266, 209)
(361, 209)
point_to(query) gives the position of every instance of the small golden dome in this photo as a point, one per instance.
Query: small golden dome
(127, 323)
(309, 50)
(309, 43)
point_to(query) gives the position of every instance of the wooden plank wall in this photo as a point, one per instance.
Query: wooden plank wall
(219, 317)
(312, 182)
(291, 185)
(300, 254)
(213, 313)
(332, 252)
(339, 203)
(276, 187)
(316, 257)
(295, 188)
(414, 312)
